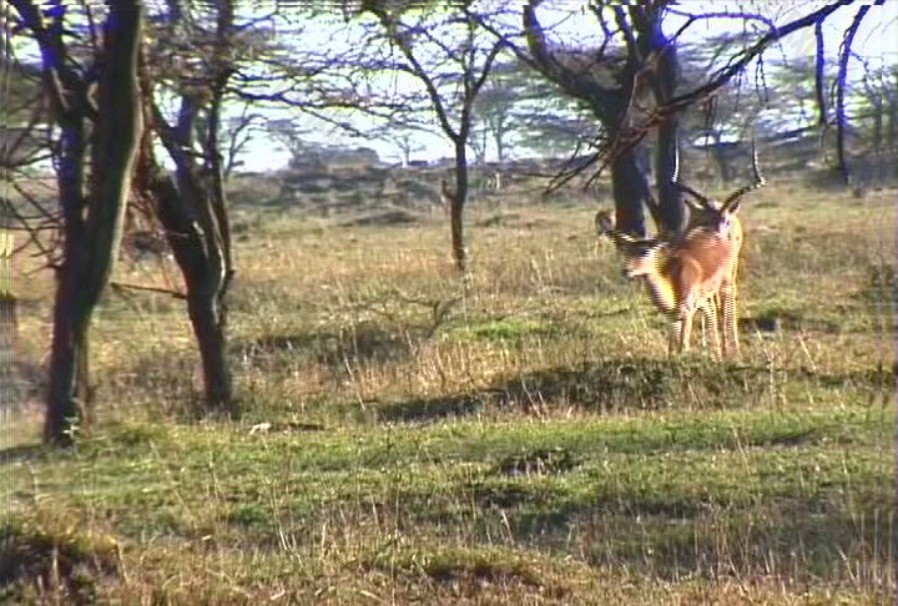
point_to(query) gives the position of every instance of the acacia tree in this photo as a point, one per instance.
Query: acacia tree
(443, 49)
(641, 67)
(880, 107)
(23, 113)
(737, 62)
(403, 138)
(194, 58)
(628, 77)
(517, 107)
(495, 118)
(98, 137)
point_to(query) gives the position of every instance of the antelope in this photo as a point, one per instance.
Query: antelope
(682, 275)
(709, 213)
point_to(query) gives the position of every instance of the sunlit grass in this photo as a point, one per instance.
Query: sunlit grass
(516, 437)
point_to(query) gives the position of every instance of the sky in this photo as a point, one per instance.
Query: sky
(876, 41)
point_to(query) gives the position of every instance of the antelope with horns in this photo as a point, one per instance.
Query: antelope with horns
(682, 275)
(696, 269)
(712, 214)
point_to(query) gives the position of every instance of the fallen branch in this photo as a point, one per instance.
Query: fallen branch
(123, 286)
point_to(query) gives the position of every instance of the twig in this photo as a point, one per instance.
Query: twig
(121, 286)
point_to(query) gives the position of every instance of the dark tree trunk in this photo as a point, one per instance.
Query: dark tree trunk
(203, 278)
(499, 138)
(723, 162)
(630, 189)
(612, 104)
(92, 239)
(892, 114)
(191, 209)
(670, 215)
(842, 83)
(68, 392)
(457, 207)
(208, 326)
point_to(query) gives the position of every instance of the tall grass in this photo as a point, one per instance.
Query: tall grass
(519, 436)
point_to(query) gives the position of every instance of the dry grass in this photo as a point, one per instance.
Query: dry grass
(518, 437)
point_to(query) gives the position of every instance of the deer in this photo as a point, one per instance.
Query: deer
(709, 213)
(682, 275)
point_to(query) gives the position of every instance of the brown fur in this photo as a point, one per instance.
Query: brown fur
(729, 226)
(721, 217)
(682, 275)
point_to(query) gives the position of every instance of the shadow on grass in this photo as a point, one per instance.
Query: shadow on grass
(364, 342)
(780, 320)
(789, 536)
(171, 384)
(791, 542)
(616, 385)
(881, 377)
(606, 386)
(25, 452)
(66, 566)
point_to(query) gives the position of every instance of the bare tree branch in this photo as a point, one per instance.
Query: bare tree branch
(738, 62)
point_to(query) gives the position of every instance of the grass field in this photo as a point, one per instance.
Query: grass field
(521, 438)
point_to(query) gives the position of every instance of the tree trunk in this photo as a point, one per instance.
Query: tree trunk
(193, 224)
(670, 215)
(631, 192)
(457, 206)
(499, 133)
(206, 318)
(68, 392)
(203, 278)
(91, 240)
(723, 163)
(892, 114)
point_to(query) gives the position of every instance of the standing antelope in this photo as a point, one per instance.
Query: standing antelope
(682, 275)
(709, 213)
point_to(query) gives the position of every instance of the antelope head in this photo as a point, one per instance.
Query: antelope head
(641, 254)
(713, 213)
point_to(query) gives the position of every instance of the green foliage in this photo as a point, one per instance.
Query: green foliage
(518, 109)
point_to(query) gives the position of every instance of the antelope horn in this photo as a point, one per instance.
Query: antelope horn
(675, 181)
(759, 179)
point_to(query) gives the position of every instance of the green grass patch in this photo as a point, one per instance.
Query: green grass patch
(517, 437)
